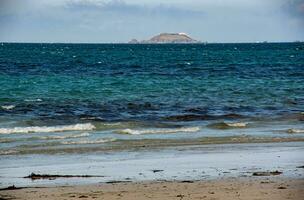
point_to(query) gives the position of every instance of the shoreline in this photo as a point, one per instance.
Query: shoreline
(227, 188)
(205, 162)
(152, 144)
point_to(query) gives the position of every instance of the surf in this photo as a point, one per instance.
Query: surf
(226, 125)
(158, 130)
(48, 129)
(99, 141)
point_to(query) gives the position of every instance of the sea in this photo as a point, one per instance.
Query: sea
(62, 102)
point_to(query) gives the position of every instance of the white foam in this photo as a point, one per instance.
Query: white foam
(62, 137)
(7, 152)
(33, 100)
(295, 130)
(112, 124)
(47, 129)
(90, 141)
(8, 107)
(237, 124)
(159, 130)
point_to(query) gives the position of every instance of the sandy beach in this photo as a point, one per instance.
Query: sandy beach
(240, 188)
(243, 171)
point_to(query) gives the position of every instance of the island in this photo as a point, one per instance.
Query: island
(165, 38)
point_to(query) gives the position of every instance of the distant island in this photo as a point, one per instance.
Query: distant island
(164, 38)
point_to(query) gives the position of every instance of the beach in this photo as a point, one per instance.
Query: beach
(244, 171)
(152, 100)
(230, 189)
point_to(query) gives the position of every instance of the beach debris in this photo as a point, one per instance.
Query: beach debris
(181, 196)
(268, 173)
(301, 167)
(113, 182)
(83, 196)
(187, 181)
(34, 176)
(157, 170)
(12, 187)
(282, 188)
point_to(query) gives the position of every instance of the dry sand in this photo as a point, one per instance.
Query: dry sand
(228, 189)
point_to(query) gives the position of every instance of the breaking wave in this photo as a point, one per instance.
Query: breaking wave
(99, 141)
(8, 152)
(225, 125)
(47, 129)
(295, 130)
(8, 107)
(158, 130)
(62, 137)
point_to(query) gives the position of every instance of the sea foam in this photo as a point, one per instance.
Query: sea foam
(7, 152)
(100, 141)
(8, 107)
(295, 130)
(62, 137)
(159, 130)
(237, 124)
(47, 129)
(226, 125)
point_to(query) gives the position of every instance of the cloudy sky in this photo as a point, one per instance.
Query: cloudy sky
(121, 20)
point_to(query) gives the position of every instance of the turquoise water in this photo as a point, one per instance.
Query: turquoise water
(62, 95)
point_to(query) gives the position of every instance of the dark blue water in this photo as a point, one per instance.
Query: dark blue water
(150, 82)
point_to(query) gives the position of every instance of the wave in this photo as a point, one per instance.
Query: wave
(7, 152)
(225, 125)
(8, 107)
(100, 141)
(237, 124)
(158, 130)
(55, 137)
(197, 117)
(62, 137)
(47, 129)
(33, 100)
(295, 130)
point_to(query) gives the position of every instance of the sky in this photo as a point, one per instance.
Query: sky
(107, 21)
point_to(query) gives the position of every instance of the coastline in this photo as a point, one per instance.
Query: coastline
(219, 121)
(183, 163)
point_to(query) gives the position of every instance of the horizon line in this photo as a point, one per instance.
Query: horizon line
(204, 42)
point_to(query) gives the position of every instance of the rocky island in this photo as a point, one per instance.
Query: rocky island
(167, 38)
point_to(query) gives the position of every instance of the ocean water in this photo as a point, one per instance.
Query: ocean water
(79, 98)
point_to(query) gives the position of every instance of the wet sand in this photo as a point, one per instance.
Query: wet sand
(229, 189)
(202, 162)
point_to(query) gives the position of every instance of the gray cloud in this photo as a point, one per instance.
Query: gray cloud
(121, 7)
(295, 8)
(119, 21)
